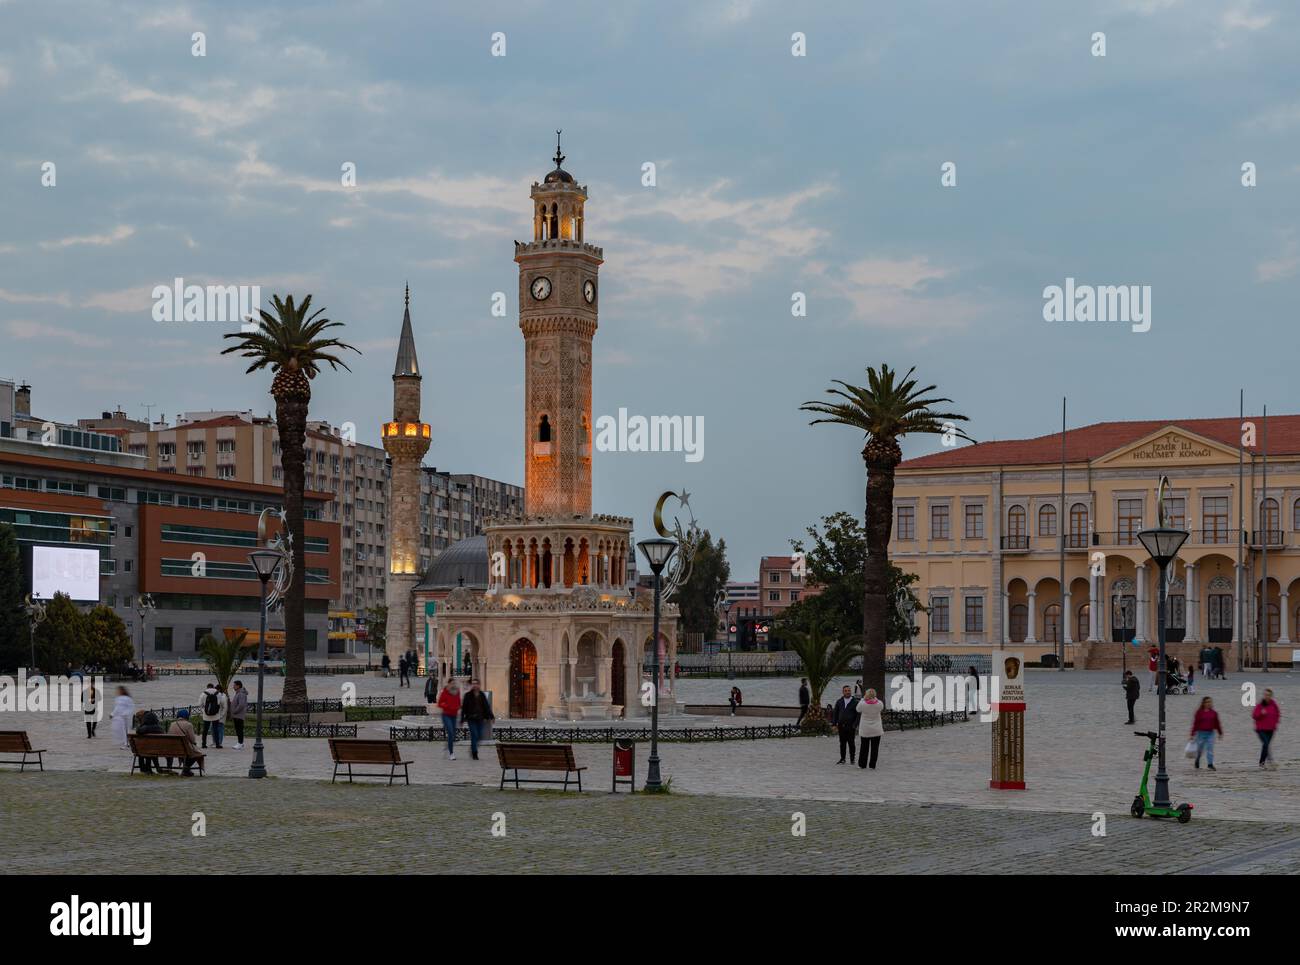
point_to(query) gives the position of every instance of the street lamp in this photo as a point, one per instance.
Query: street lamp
(657, 552)
(144, 605)
(264, 562)
(36, 615)
(1163, 545)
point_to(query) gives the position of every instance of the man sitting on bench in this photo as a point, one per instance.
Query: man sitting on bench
(182, 727)
(149, 724)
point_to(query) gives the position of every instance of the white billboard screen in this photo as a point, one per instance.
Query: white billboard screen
(57, 569)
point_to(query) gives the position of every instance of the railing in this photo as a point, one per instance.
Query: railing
(1219, 536)
(324, 705)
(1015, 542)
(1077, 541)
(1266, 537)
(603, 735)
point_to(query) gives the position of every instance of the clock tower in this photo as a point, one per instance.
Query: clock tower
(558, 298)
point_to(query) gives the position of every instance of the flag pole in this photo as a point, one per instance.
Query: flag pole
(1060, 532)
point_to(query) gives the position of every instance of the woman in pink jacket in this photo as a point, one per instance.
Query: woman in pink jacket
(1204, 726)
(1266, 714)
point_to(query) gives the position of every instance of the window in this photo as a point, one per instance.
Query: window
(939, 528)
(906, 522)
(162, 638)
(794, 596)
(974, 614)
(1016, 538)
(774, 576)
(1130, 521)
(939, 614)
(1052, 624)
(1019, 628)
(1214, 517)
(128, 532)
(1083, 622)
(1078, 526)
(974, 522)
(774, 596)
(1176, 512)
(1270, 519)
(1047, 521)
(199, 634)
(226, 472)
(309, 640)
(126, 566)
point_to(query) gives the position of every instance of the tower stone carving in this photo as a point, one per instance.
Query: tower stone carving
(406, 440)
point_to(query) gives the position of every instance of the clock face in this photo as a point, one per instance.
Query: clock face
(589, 291)
(541, 288)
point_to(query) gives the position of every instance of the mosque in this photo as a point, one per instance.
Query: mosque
(542, 608)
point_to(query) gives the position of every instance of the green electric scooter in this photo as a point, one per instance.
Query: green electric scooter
(1142, 803)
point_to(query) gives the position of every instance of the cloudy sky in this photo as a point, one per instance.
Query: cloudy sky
(776, 174)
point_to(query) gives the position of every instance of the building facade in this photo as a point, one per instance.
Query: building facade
(985, 529)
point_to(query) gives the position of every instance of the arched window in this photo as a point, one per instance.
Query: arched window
(1019, 623)
(1295, 516)
(1082, 622)
(1052, 624)
(1047, 521)
(544, 430)
(1269, 518)
(1078, 525)
(1016, 521)
(555, 221)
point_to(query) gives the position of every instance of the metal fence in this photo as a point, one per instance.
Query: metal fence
(323, 705)
(602, 735)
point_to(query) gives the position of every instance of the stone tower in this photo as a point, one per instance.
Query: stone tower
(406, 440)
(558, 298)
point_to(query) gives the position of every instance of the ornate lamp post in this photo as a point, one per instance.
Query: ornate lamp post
(657, 552)
(35, 615)
(264, 562)
(144, 605)
(1163, 544)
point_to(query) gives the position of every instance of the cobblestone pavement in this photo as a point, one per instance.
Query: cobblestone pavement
(78, 822)
(1081, 757)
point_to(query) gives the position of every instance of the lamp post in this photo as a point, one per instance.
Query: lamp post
(264, 562)
(35, 615)
(1163, 545)
(144, 605)
(656, 552)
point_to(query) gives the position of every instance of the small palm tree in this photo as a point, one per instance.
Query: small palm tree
(823, 660)
(223, 657)
(290, 343)
(886, 409)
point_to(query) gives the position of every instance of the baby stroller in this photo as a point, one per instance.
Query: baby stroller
(1175, 682)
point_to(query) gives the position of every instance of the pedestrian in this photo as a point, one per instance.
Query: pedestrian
(1205, 724)
(476, 709)
(182, 727)
(89, 709)
(431, 693)
(1266, 715)
(735, 700)
(845, 718)
(238, 711)
(871, 728)
(857, 688)
(123, 712)
(805, 698)
(1153, 665)
(401, 670)
(1219, 669)
(214, 714)
(1132, 691)
(387, 665)
(449, 704)
(973, 698)
(1191, 678)
(149, 724)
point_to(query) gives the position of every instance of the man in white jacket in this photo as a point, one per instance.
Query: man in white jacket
(214, 715)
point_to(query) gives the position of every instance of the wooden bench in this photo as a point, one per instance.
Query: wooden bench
(161, 745)
(538, 757)
(17, 742)
(350, 750)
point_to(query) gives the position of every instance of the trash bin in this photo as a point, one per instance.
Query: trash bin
(1049, 660)
(624, 765)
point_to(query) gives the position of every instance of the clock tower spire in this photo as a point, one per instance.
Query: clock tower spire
(558, 290)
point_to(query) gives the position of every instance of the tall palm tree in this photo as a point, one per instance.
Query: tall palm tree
(886, 409)
(290, 343)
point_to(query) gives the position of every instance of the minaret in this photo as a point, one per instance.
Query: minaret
(406, 440)
(558, 296)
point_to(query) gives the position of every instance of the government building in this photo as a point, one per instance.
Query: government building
(542, 607)
(982, 527)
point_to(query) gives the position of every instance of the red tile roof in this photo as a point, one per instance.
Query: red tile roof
(1090, 442)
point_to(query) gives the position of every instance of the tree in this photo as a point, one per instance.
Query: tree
(106, 643)
(223, 657)
(59, 636)
(15, 646)
(377, 626)
(697, 598)
(835, 564)
(824, 658)
(290, 343)
(887, 409)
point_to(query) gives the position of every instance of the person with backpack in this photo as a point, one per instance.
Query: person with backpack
(214, 715)
(1267, 714)
(476, 709)
(238, 711)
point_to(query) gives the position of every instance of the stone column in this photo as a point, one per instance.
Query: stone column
(1032, 635)
(1193, 603)
(602, 675)
(1285, 637)
(1006, 618)
(1141, 579)
(1067, 619)
(1239, 604)
(572, 688)
(1094, 610)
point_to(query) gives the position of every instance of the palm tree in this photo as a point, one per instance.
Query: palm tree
(823, 660)
(886, 410)
(223, 657)
(290, 344)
